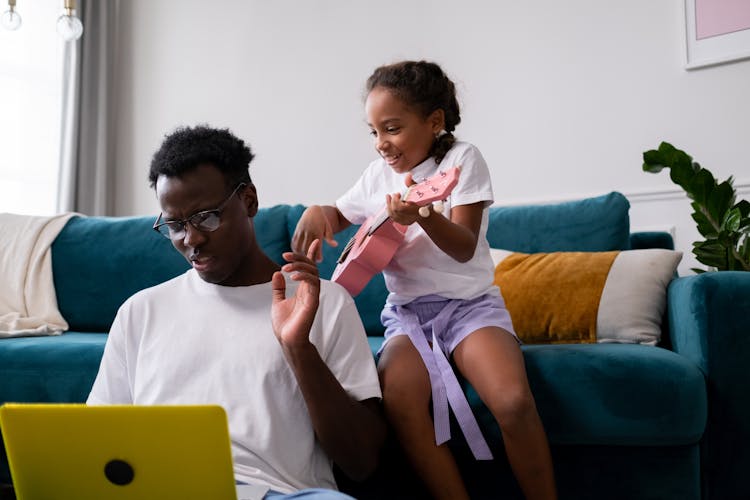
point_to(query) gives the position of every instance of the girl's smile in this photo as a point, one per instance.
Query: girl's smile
(402, 137)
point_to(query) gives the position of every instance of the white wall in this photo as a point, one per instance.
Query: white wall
(561, 97)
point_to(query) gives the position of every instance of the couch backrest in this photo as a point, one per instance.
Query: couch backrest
(651, 239)
(598, 224)
(590, 225)
(98, 262)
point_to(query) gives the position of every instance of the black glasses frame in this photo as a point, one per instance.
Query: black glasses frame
(196, 220)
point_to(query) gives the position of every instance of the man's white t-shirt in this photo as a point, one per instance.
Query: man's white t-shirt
(187, 341)
(419, 267)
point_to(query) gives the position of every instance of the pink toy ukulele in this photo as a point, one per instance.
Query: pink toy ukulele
(376, 241)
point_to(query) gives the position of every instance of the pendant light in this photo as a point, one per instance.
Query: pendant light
(11, 20)
(69, 26)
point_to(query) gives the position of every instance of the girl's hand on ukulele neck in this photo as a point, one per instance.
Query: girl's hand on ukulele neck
(402, 212)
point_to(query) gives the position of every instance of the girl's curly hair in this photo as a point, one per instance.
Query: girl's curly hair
(423, 86)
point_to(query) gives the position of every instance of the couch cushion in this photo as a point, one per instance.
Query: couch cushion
(594, 224)
(54, 369)
(605, 394)
(98, 262)
(58, 368)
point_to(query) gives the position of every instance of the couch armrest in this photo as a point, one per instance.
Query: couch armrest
(709, 322)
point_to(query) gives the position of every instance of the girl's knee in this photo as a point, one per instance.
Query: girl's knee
(402, 396)
(512, 408)
(403, 376)
(405, 384)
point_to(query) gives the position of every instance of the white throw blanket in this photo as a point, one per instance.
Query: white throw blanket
(28, 304)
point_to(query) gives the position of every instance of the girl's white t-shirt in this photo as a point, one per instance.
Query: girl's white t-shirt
(187, 341)
(419, 267)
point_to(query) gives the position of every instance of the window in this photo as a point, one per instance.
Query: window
(30, 107)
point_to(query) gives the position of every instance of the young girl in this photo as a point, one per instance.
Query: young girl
(442, 299)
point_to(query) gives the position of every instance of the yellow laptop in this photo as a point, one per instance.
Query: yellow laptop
(67, 451)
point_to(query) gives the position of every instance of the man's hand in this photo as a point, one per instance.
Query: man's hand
(292, 317)
(351, 432)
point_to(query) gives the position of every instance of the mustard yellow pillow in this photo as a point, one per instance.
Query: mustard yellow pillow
(586, 297)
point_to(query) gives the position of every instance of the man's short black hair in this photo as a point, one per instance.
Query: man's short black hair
(188, 147)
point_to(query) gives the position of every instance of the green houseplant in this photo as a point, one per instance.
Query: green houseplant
(724, 224)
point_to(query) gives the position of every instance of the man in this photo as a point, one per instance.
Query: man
(294, 374)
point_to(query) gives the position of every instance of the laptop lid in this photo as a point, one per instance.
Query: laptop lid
(118, 452)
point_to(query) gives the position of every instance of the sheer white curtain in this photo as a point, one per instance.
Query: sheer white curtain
(88, 119)
(30, 98)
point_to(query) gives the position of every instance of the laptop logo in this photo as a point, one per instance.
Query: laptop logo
(119, 472)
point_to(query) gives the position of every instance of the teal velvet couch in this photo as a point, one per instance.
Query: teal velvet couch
(624, 421)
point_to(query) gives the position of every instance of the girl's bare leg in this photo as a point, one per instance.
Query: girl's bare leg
(492, 361)
(406, 399)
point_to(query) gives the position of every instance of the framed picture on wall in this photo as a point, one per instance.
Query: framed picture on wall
(717, 31)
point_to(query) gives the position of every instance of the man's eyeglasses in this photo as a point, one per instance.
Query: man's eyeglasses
(205, 221)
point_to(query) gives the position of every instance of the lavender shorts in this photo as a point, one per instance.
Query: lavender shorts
(469, 316)
(436, 325)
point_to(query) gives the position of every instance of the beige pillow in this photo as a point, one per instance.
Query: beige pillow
(579, 297)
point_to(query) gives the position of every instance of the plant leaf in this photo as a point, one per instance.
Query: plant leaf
(727, 239)
(711, 253)
(652, 162)
(704, 225)
(720, 200)
(744, 250)
(724, 224)
(682, 175)
(673, 156)
(744, 207)
(701, 185)
(732, 220)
